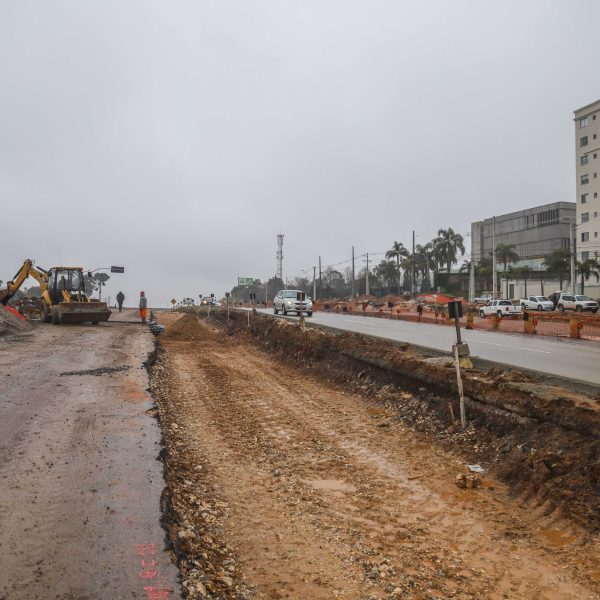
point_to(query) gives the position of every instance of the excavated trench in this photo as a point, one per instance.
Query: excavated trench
(247, 440)
(542, 439)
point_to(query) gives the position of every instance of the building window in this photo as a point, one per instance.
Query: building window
(585, 236)
(583, 141)
(584, 198)
(595, 234)
(585, 256)
(583, 160)
(585, 217)
(595, 214)
(585, 179)
(583, 123)
(595, 155)
(594, 136)
(595, 175)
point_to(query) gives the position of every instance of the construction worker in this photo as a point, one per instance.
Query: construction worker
(120, 300)
(143, 307)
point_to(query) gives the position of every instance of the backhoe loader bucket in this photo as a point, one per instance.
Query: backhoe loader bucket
(80, 312)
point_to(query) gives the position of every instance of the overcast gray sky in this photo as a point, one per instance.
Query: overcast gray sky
(177, 138)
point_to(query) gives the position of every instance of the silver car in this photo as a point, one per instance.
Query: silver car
(576, 302)
(295, 301)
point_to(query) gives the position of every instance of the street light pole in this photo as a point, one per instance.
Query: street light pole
(494, 273)
(572, 249)
(413, 283)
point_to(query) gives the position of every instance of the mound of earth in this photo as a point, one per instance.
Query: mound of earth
(10, 323)
(186, 328)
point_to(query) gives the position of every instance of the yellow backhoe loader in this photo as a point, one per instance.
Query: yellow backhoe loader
(63, 294)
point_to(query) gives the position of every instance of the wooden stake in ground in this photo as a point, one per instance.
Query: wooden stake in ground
(463, 420)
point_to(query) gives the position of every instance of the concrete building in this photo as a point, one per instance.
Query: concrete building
(587, 156)
(534, 232)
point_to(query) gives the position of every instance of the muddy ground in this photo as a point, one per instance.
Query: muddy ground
(294, 475)
(80, 483)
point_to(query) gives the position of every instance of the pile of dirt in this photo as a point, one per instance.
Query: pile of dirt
(10, 323)
(186, 329)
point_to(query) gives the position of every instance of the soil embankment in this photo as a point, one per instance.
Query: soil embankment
(313, 471)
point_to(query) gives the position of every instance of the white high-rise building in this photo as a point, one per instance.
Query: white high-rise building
(587, 153)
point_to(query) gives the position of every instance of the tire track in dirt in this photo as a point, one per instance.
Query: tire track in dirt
(301, 464)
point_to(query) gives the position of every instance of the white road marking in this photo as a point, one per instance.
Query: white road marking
(514, 347)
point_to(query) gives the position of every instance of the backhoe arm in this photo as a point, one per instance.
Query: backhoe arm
(28, 269)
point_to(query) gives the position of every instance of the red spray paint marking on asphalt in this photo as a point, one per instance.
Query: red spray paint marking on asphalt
(148, 564)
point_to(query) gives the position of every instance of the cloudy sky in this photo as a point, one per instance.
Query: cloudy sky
(177, 138)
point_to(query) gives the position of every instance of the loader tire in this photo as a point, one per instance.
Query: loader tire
(45, 316)
(55, 317)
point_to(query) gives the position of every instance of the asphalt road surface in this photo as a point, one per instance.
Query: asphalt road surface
(565, 358)
(80, 484)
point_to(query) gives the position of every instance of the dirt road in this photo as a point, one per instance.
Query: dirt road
(286, 486)
(79, 480)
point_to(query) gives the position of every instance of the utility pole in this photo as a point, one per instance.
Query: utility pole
(572, 244)
(320, 279)
(414, 282)
(494, 273)
(472, 279)
(280, 256)
(352, 287)
(367, 290)
(315, 283)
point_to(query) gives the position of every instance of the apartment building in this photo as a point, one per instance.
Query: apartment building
(587, 154)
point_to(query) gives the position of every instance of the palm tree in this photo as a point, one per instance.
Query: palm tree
(521, 272)
(388, 271)
(484, 270)
(557, 262)
(506, 253)
(397, 251)
(449, 243)
(586, 269)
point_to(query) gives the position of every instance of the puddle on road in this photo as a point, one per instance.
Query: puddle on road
(331, 485)
(558, 538)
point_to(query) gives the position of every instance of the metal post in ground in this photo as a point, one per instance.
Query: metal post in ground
(314, 284)
(367, 290)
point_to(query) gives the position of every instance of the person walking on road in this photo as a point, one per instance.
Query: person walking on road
(143, 307)
(120, 299)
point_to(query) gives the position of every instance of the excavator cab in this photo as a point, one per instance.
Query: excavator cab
(66, 281)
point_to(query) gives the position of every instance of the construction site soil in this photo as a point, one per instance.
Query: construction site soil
(307, 464)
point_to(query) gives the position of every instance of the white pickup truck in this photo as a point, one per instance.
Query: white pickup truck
(502, 308)
(536, 303)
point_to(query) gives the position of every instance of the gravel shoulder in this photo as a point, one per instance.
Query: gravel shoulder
(80, 483)
(283, 485)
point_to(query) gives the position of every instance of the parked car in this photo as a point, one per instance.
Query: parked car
(536, 303)
(296, 301)
(483, 299)
(502, 308)
(579, 303)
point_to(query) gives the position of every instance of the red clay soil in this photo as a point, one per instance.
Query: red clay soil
(300, 472)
